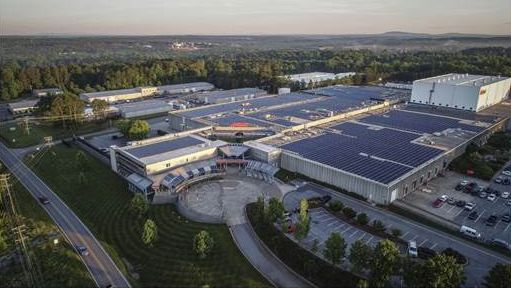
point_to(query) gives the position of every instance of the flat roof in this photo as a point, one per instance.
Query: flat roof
(462, 79)
(164, 146)
(112, 92)
(142, 105)
(23, 104)
(385, 147)
(196, 85)
(221, 94)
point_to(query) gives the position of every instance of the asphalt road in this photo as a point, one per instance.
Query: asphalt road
(101, 267)
(481, 260)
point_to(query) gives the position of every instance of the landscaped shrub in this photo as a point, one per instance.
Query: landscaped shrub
(362, 219)
(396, 232)
(379, 226)
(460, 258)
(348, 212)
(336, 206)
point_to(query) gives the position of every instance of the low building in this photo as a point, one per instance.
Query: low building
(143, 108)
(113, 96)
(461, 91)
(316, 77)
(23, 106)
(46, 92)
(225, 96)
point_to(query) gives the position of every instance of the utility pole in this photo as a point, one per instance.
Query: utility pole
(27, 128)
(18, 231)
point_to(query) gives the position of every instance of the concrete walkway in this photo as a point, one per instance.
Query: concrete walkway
(263, 260)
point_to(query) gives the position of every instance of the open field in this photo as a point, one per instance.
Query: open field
(39, 131)
(100, 199)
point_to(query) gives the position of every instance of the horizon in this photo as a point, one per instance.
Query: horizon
(241, 17)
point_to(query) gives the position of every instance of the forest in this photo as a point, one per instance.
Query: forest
(252, 69)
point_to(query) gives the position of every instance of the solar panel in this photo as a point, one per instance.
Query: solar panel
(381, 155)
(417, 122)
(163, 146)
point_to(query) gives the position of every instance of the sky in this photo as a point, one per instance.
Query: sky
(227, 17)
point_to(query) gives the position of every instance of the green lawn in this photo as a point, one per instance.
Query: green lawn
(19, 137)
(59, 265)
(102, 202)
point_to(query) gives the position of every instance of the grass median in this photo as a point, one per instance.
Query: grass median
(100, 199)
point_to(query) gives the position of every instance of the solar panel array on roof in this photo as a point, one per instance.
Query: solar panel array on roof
(380, 155)
(417, 122)
(254, 103)
(450, 112)
(235, 118)
(163, 146)
(361, 92)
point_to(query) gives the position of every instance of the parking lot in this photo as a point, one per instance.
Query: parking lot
(455, 211)
(480, 259)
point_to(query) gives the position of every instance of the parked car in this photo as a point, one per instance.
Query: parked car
(483, 194)
(464, 183)
(459, 187)
(412, 249)
(43, 200)
(443, 198)
(461, 203)
(492, 197)
(492, 220)
(506, 181)
(498, 180)
(508, 202)
(473, 215)
(470, 206)
(506, 172)
(504, 195)
(500, 243)
(451, 201)
(438, 203)
(506, 218)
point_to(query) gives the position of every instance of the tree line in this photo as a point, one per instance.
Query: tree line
(252, 69)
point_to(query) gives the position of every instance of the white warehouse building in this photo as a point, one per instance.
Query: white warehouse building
(461, 91)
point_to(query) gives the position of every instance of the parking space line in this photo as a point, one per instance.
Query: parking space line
(330, 224)
(414, 237)
(345, 230)
(459, 212)
(404, 235)
(363, 235)
(352, 234)
(369, 240)
(480, 215)
(507, 227)
(433, 246)
(452, 207)
(422, 243)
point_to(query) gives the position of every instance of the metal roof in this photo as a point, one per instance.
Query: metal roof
(162, 147)
(462, 80)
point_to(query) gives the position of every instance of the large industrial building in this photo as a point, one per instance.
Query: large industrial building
(143, 108)
(224, 96)
(316, 77)
(113, 96)
(461, 91)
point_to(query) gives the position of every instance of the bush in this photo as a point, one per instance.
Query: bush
(348, 212)
(362, 219)
(396, 232)
(379, 226)
(336, 206)
(460, 258)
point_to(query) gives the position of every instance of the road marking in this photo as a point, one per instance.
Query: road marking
(346, 230)
(363, 235)
(459, 212)
(433, 246)
(480, 215)
(414, 237)
(352, 234)
(507, 227)
(404, 235)
(422, 243)
(369, 240)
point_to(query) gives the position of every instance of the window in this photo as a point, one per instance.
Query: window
(414, 184)
(422, 179)
(436, 170)
(167, 165)
(429, 174)
(406, 190)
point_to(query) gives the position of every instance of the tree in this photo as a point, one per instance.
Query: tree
(150, 234)
(303, 226)
(396, 232)
(138, 130)
(379, 226)
(275, 210)
(139, 204)
(383, 263)
(362, 219)
(99, 107)
(66, 107)
(360, 256)
(498, 277)
(203, 243)
(124, 126)
(335, 248)
(442, 271)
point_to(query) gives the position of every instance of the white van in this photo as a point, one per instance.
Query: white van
(470, 232)
(412, 249)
